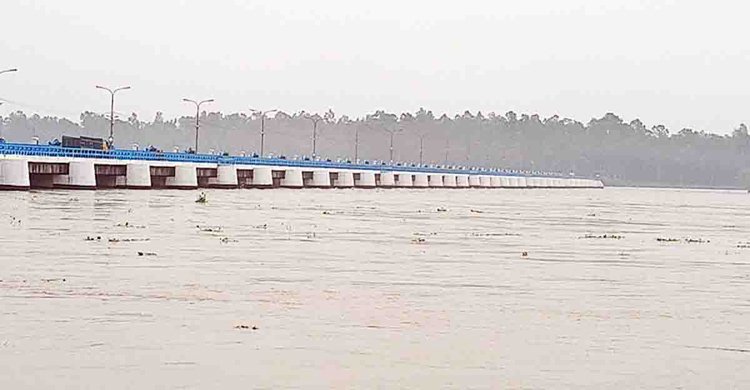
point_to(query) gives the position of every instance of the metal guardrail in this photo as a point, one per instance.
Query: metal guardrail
(142, 155)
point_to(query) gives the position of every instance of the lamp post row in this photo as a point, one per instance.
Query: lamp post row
(314, 119)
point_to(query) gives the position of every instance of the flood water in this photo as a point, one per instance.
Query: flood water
(375, 289)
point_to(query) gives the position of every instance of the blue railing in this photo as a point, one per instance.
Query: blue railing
(142, 155)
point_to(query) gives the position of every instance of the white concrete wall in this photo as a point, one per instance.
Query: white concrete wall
(226, 177)
(138, 175)
(81, 174)
(14, 174)
(292, 178)
(421, 180)
(462, 181)
(344, 179)
(496, 182)
(485, 181)
(387, 179)
(435, 180)
(321, 178)
(185, 177)
(450, 181)
(404, 180)
(475, 181)
(262, 177)
(366, 179)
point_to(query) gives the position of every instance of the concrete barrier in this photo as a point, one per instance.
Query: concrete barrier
(462, 181)
(262, 177)
(421, 180)
(292, 178)
(450, 181)
(344, 179)
(14, 174)
(387, 179)
(434, 180)
(185, 178)
(138, 176)
(404, 180)
(365, 180)
(321, 178)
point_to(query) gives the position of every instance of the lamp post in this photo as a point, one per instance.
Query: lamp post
(197, 116)
(421, 148)
(314, 119)
(112, 93)
(393, 135)
(262, 127)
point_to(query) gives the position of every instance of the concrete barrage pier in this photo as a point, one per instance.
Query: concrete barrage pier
(25, 166)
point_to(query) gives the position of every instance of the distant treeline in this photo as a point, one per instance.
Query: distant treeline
(620, 152)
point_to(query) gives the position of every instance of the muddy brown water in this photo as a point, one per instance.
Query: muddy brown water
(375, 289)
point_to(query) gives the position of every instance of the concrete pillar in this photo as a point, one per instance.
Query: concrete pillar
(485, 182)
(404, 180)
(496, 182)
(599, 184)
(345, 179)
(387, 179)
(321, 179)
(462, 181)
(450, 181)
(435, 180)
(505, 182)
(185, 178)
(262, 177)
(292, 178)
(14, 175)
(366, 180)
(81, 175)
(421, 180)
(522, 182)
(226, 177)
(475, 181)
(138, 176)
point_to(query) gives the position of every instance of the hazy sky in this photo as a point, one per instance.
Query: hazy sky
(682, 63)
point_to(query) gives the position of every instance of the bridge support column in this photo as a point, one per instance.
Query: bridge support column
(138, 176)
(450, 181)
(435, 181)
(81, 175)
(485, 181)
(462, 181)
(387, 179)
(505, 182)
(226, 177)
(185, 178)
(321, 179)
(14, 175)
(421, 180)
(475, 181)
(292, 178)
(404, 180)
(522, 182)
(366, 180)
(344, 179)
(496, 182)
(262, 177)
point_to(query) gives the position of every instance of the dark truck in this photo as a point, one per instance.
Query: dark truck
(83, 142)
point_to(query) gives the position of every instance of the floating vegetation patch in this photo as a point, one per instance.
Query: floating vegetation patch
(685, 240)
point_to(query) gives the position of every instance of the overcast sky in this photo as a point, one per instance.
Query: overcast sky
(682, 63)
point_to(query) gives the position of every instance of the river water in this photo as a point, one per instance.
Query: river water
(522, 289)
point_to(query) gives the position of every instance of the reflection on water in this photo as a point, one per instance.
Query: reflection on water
(375, 288)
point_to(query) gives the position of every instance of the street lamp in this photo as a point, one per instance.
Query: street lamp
(112, 93)
(393, 135)
(197, 116)
(421, 148)
(262, 127)
(314, 119)
(8, 70)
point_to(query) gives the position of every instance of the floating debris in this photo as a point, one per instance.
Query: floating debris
(54, 280)
(14, 221)
(146, 254)
(495, 235)
(89, 238)
(227, 240)
(245, 327)
(130, 226)
(442, 210)
(604, 237)
(668, 239)
(210, 229)
(201, 198)
(264, 226)
(477, 211)
(419, 240)
(116, 240)
(524, 254)
(685, 240)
